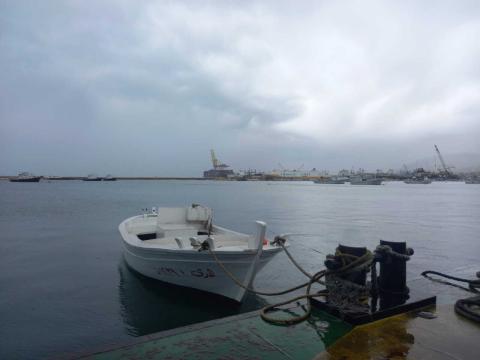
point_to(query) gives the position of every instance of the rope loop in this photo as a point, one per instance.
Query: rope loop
(387, 250)
(359, 262)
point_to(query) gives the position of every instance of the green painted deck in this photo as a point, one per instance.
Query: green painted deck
(407, 336)
(247, 336)
(240, 337)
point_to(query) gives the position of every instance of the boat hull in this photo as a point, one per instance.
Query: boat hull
(421, 182)
(194, 269)
(367, 182)
(32, 179)
(335, 182)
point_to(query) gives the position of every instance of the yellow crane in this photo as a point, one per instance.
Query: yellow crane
(214, 159)
(215, 162)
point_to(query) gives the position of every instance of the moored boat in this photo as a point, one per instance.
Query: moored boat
(361, 180)
(416, 180)
(472, 181)
(92, 177)
(329, 180)
(169, 244)
(25, 177)
(109, 178)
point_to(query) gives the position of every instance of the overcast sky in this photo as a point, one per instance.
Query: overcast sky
(147, 87)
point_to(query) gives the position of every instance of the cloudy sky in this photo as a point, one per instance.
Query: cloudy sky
(148, 87)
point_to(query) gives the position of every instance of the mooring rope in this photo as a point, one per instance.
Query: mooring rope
(280, 241)
(473, 285)
(468, 307)
(358, 261)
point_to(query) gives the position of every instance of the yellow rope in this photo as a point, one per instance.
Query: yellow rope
(359, 260)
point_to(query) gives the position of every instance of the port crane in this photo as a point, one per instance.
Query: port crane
(216, 163)
(442, 161)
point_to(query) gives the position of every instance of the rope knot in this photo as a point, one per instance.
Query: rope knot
(385, 252)
(204, 246)
(278, 241)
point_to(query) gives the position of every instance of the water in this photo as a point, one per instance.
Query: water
(64, 287)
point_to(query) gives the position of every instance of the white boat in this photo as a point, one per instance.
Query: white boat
(109, 178)
(166, 245)
(25, 177)
(362, 180)
(92, 177)
(330, 180)
(415, 180)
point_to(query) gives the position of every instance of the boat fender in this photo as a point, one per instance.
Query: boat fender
(195, 242)
(179, 242)
(211, 243)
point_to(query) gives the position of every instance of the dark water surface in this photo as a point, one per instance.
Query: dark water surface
(64, 287)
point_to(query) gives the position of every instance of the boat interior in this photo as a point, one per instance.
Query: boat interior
(186, 229)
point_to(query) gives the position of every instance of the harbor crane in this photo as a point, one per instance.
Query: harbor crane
(216, 163)
(442, 161)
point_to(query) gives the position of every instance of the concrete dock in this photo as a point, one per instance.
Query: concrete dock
(241, 337)
(247, 336)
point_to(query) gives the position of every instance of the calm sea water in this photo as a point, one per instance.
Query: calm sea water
(64, 287)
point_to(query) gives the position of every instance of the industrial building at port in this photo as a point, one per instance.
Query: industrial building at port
(223, 171)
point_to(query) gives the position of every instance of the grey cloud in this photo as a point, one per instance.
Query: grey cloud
(93, 86)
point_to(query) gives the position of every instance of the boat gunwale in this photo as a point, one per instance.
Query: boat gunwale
(241, 256)
(132, 240)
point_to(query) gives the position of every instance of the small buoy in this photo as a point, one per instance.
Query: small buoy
(265, 242)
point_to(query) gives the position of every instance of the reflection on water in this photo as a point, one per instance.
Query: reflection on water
(67, 230)
(149, 305)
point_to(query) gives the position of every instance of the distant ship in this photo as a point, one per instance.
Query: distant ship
(109, 178)
(331, 180)
(415, 180)
(92, 177)
(26, 177)
(362, 180)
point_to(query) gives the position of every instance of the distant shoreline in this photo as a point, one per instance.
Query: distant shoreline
(235, 178)
(159, 178)
(116, 177)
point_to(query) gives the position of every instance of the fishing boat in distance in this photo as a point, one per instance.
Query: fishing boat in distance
(330, 180)
(363, 180)
(416, 180)
(92, 177)
(109, 178)
(25, 177)
(182, 246)
(473, 180)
